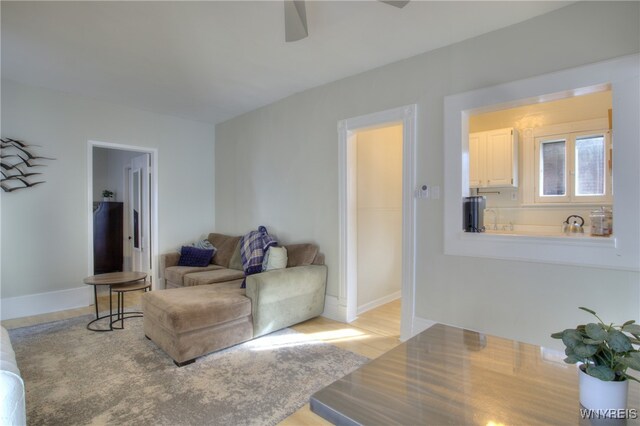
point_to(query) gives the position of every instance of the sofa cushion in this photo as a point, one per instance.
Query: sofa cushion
(181, 310)
(176, 273)
(236, 259)
(225, 246)
(275, 258)
(212, 276)
(301, 254)
(194, 256)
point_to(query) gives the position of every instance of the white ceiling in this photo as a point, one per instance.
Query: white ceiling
(210, 61)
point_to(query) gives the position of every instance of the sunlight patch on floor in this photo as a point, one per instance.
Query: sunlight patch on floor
(271, 342)
(344, 334)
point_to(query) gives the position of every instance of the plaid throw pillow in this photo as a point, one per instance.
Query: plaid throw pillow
(193, 256)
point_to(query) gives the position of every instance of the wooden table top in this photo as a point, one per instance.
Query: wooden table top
(447, 375)
(131, 287)
(114, 278)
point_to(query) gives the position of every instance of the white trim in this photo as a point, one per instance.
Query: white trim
(379, 302)
(623, 76)
(153, 152)
(333, 310)
(44, 303)
(347, 299)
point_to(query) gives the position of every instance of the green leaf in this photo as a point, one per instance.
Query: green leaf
(619, 342)
(571, 338)
(601, 372)
(572, 359)
(631, 328)
(632, 361)
(584, 351)
(568, 351)
(587, 310)
(557, 335)
(595, 331)
(592, 342)
(628, 322)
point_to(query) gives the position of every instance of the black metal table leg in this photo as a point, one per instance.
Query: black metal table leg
(98, 317)
(95, 299)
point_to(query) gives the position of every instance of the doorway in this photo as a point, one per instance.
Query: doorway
(378, 216)
(404, 119)
(123, 181)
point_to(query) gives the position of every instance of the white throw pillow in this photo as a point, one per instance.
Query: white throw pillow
(275, 258)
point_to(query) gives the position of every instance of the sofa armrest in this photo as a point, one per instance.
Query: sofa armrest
(284, 297)
(166, 260)
(12, 395)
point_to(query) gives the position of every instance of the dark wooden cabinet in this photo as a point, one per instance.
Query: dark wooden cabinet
(107, 237)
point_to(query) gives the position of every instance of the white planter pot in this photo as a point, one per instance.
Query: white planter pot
(596, 394)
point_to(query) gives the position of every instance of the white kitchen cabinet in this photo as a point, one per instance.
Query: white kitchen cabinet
(493, 159)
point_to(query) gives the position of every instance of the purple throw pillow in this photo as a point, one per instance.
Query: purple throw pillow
(193, 256)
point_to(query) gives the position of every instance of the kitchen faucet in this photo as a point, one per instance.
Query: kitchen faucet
(495, 218)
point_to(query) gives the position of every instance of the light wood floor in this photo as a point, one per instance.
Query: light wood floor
(372, 334)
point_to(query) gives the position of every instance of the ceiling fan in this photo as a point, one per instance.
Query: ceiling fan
(295, 17)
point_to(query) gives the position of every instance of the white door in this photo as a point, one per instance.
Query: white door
(139, 214)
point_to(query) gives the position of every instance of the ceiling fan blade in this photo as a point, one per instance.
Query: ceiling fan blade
(397, 3)
(295, 20)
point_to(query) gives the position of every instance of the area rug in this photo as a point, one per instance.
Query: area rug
(74, 377)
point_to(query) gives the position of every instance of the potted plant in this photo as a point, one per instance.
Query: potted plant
(604, 353)
(107, 195)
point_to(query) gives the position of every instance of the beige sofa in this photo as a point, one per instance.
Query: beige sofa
(203, 309)
(12, 396)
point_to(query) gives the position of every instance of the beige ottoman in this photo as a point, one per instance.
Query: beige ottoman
(190, 322)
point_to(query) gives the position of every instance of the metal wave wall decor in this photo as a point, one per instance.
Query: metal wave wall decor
(17, 160)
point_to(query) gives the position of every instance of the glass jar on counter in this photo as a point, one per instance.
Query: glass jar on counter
(601, 222)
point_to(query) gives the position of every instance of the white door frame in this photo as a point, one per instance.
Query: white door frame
(347, 268)
(153, 152)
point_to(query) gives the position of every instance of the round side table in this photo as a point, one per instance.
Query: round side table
(113, 280)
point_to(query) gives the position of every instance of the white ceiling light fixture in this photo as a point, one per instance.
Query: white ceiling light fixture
(295, 18)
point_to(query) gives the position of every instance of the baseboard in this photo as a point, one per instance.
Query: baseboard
(333, 310)
(44, 303)
(379, 302)
(420, 324)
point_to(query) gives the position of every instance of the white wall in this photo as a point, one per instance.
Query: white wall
(108, 171)
(379, 215)
(278, 166)
(100, 172)
(577, 108)
(45, 228)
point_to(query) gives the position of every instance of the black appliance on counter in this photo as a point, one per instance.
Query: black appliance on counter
(473, 211)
